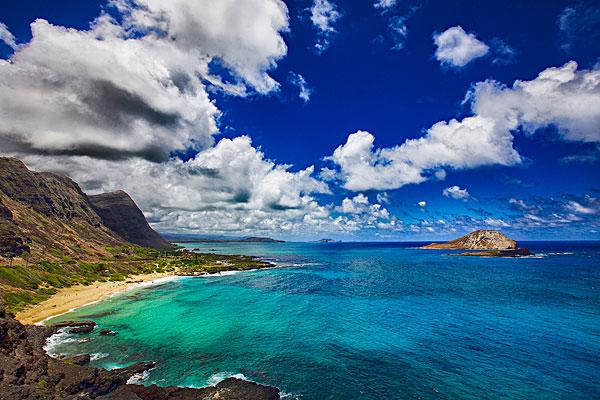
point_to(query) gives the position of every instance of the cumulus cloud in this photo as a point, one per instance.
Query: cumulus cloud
(422, 203)
(362, 214)
(244, 35)
(456, 192)
(324, 15)
(7, 37)
(135, 88)
(457, 48)
(299, 81)
(562, 97)
(470, 143)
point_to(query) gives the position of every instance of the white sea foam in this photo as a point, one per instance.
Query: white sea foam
(289, 396)
(221, 376)
(54, 341)
(138, 378)
(98, 356)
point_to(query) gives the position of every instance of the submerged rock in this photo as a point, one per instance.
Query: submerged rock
(82, 329)
(108, 332)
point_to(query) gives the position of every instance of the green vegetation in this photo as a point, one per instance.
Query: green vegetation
(22, 286)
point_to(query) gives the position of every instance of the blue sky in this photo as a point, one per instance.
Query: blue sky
(392, 71)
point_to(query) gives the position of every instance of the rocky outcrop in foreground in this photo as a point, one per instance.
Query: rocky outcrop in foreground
(478, 240)
(27, 372)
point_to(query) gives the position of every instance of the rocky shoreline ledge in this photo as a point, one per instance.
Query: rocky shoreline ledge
(28, 372)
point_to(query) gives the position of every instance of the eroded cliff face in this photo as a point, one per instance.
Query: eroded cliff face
(43, 214)
(119, 212)
(27, 372)
(46, 214)
(478, 240)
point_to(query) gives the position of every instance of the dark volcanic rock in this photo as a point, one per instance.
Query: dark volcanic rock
(108, 332)
(120, 213)
(82, 329)
(497, 253)
(27, 372)
(83, 359)
(74, 323)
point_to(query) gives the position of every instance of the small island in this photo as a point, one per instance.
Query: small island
(484, 243)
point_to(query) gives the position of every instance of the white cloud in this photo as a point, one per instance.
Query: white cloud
(323, 15)
(399, 31)
(244, 35)
(560, 96)
(422, 203)
(7, 37)
(358, 204)
(457, 48)
(440, 174)
(496, 222)
(122, 90)
(383, 197)
(470, 143)
(384, 4)
(579, 208)
(299, 81)
(563, 97)
(456, 193)
(364, 215)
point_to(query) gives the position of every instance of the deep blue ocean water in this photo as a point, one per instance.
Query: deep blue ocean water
(368, 321)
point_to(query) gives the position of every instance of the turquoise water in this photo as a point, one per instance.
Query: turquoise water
(368, 321)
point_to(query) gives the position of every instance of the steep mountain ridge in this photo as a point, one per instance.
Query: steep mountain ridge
(120, 213)
(50, 213)
(48, 216)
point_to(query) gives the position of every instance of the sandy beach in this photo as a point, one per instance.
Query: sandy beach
(74, 297)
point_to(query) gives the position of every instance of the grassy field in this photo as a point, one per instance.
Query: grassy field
(23, 285)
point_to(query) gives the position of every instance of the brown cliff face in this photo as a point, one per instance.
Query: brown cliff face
(50, 217)
(478, 240)
(120, 213)
(45, 214)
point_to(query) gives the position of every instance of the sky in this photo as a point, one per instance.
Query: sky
(353, 120)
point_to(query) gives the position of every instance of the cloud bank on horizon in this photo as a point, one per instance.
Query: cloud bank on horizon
(130, 103)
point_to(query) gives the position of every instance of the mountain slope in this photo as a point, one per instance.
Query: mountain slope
(47, 214)
(477, 240)
(120, 213)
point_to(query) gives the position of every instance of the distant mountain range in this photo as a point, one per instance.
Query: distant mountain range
(196, 239)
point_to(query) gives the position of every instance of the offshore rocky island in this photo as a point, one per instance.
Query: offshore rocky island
(55, 238)
(482, 243)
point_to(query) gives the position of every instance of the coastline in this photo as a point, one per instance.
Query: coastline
(74, 297)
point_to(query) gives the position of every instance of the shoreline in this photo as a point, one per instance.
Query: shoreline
(69, 299)
(72, 298)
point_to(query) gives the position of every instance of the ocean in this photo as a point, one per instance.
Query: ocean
(367, 321)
